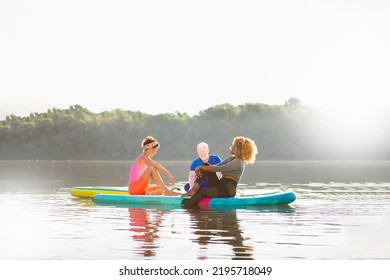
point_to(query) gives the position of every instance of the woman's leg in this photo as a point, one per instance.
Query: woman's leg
(193, 200)
(216, 188)
(152, 173)
(212, 180)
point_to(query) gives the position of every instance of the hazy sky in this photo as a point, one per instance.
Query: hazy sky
(167, 56)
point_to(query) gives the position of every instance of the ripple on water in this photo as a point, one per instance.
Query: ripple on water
(326, 221)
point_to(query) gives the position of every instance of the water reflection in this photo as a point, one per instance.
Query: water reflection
(216, 233)
(210, 228)
(144, 226)
(341, 212)
(219, 227)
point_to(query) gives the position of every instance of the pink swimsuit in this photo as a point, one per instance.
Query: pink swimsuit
(136, 170)
(137, 184)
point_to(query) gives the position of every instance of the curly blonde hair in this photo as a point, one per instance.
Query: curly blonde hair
(246, 149)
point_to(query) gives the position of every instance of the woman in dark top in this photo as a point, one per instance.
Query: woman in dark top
(243, 151)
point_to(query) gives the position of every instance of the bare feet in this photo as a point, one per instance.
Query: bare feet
(155, 190)
(192, 191)
(169, 192)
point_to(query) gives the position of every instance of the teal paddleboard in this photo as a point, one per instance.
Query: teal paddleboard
(275, 198)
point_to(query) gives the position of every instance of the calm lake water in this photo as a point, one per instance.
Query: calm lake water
(342, 212)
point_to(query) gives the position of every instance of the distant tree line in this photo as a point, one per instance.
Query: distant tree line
(282, 132)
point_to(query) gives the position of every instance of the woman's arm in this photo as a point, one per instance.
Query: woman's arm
(159, 167)
(191, 178)
(229, 164)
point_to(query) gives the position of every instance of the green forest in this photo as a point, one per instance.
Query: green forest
(282, 132)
